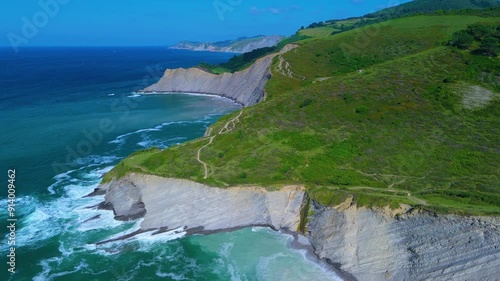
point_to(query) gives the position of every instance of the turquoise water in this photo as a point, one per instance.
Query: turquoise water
(68, 116)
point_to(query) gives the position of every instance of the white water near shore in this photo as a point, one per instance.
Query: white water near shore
(72, 219)
(51, 96)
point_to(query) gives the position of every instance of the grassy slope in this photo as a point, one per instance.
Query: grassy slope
(395, 133)
(424, 6)
(416, 7)
(318, 31)
(243, 61)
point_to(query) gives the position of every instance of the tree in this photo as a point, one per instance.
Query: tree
(461, 39)
(489, 46)
(316, 24)
(480, 31)
(497, 32)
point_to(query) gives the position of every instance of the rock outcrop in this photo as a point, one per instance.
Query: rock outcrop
(245, 87)
(169, 204)
(242, 45)
(372, 245)
(364, 243)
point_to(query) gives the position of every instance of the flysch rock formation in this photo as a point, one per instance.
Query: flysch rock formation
(372, 245)
(172, 204)
(245, 87)
(262, 42)
(366, 244)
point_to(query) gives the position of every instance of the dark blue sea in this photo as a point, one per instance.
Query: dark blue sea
(68, 115)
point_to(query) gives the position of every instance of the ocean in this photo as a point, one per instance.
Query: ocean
(68, 115)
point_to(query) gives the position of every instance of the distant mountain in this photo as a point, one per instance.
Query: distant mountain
(240, 45)
(426, 6)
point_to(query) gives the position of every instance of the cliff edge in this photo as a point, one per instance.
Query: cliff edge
(245, 87)
(174, 203)
(367, 244)
(374, 245)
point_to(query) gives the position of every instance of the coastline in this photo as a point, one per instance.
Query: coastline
(299, 242)
(370, 243)
(276, 210)
(191, 93)
(205, 50)
(356, 243)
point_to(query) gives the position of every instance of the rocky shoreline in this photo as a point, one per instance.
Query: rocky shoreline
(175, 204)
(412, 245)
(245, 87)
(359, 243)
(196, 206)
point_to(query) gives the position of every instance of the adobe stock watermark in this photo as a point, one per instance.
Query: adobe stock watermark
(95, 137)
(31, 26)
(223, 6)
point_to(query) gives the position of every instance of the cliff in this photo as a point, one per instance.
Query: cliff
(374, 245)
(172, 204)
(242, 45)
(245, 87)
(367, 244)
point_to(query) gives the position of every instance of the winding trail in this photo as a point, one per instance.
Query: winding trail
(205, 165)
(418, 200)
(228, 127)
(284, 69)
(231, 124)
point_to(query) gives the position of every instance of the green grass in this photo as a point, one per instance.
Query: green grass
(318, 31)
(395, 133)
(219, 70)
(360, 48)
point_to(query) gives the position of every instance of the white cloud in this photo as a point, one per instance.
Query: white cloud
(275, 11)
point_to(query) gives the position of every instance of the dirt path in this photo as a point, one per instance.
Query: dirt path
(205, 165)
(285, 69)
(228, 127)
(420, 201)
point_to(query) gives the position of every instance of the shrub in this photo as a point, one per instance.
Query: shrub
(362, 110)
(461, 40)
(480, 31)
(306, 102)
(489, 46)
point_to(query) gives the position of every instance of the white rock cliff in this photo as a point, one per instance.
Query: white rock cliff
(245, 87)
(173, 203)
(367, 244)
(372, 245)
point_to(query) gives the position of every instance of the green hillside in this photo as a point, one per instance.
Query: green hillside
(426, 6)
(417, 7)
(243, 61)
(386, 114)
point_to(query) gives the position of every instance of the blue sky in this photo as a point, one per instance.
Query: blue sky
(164, 22)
